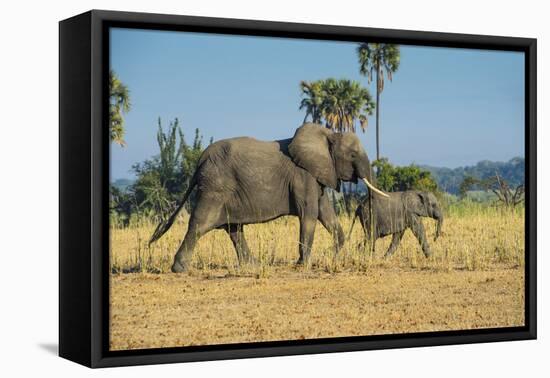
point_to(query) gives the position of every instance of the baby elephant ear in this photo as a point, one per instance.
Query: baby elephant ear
(310, 149)
(423, 197)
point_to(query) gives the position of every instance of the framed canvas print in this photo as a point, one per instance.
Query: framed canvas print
(234, 188)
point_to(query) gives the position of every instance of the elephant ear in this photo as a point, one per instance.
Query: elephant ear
(424, 202)
(425, 197)
(310, 149)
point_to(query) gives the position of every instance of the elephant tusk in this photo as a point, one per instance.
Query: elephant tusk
(378, 191)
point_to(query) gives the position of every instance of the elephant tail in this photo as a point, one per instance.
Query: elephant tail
(165, 225)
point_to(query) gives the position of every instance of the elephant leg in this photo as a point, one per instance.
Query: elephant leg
(203, 219)
(396, 239)
(236, 233)
(418, 230)
(367, 231)
(307, 231)
(328, 219)
(369, 240)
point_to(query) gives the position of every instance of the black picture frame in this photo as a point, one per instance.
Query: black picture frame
(84, 179)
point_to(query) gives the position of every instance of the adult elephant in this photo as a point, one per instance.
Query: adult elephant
(395, 214)
(242, 181)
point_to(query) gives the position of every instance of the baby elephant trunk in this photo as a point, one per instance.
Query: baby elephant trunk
(439, 225)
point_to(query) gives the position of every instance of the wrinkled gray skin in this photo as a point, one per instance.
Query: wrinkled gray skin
(241, 181)
(399, 212)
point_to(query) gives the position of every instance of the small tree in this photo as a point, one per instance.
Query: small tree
(170, 156)
(392, 178)
(152, 197)
(468, 183)
(507, 196)
(161, 180)
(188, 165)
(122, 205)
(385, 179)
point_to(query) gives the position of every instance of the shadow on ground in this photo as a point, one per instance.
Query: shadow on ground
(51, 348)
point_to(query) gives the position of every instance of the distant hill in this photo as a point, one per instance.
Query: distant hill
(122, 184)
(449, 179)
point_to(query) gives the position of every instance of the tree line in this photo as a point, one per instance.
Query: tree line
(451, 179)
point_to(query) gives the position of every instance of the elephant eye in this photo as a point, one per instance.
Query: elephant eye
(353, 155)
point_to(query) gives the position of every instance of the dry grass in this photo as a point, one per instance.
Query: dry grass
(475, 279)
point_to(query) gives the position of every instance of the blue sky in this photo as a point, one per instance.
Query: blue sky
(445, 107)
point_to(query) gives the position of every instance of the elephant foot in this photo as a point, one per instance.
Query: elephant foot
(301, 261)
(177, 267)
(248, 260)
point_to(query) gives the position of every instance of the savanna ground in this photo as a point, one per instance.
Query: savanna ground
(474, 279)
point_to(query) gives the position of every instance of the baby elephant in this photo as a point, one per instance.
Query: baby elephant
(400, 211)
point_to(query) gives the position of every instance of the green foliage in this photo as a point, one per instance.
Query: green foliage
(191, 156)
(385, 174)
(393, 178)
(480, 196)
(466, 185)
(339, 104)
(121, 205)
(162, 180)
(119, 104)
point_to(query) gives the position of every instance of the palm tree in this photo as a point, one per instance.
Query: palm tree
(119, 104)
(346, 102)
(375, 59)
(312, 100)
(340, 103)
